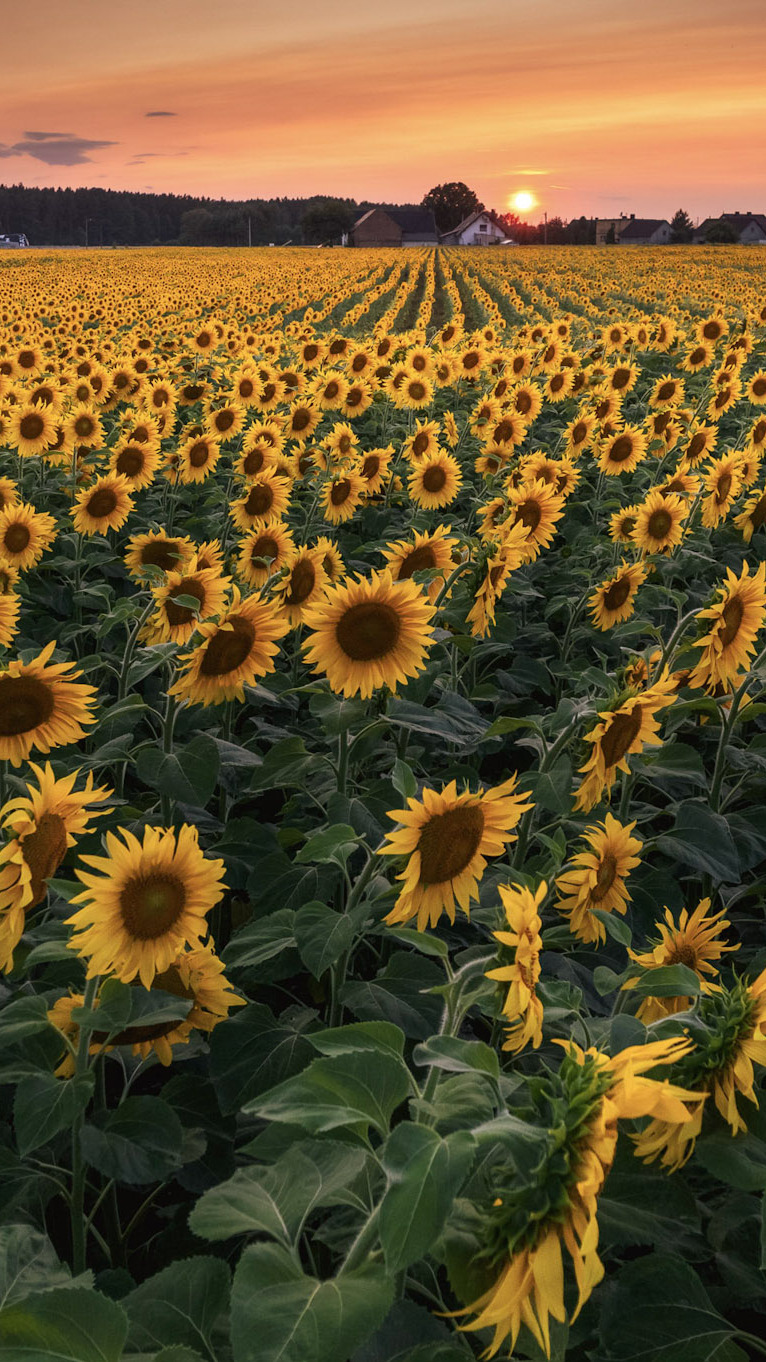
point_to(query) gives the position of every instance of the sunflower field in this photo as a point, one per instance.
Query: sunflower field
(383, 805)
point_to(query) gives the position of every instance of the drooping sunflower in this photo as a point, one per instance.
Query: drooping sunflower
(623, 452)
(197, 975)
(620, 732)
(596, 878)
(264, 552)
(659, 522)
(233, 653)
(341, 495)
(155, 549)
(267, 499)
(447, 838)
(435, 481)
(41, 827)
(753, 517)
(146, 901)
(433, 550)
(32, 428)
(197, 458)
(522, 1009)
(622, 524)
(41, 706)
(304, 584)
(25, 534)
(332, 560)
(613, 601)
(736, 619)
(175, 623)
(507, 554)
(723, 483)
(104, 506)
(369, 632)
(538, 507)
(577, 1110)
(695, 940)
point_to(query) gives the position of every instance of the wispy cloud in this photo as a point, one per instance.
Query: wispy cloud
(161, 113)
(54, 148)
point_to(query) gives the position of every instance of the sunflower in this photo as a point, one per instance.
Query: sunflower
(659, 522)
(374, 469)
(757, 436)
(266, 499)
(330, 391)
(447, 838)
(136, 463)
(434, 550)
(234, 652)
(622, 524)
(104, 506)
(695, 940)
(264, 552)
(415, 392)
(256, 457)
(724, 398)
(41, 827)
(302, 420)
(175, 623)
(41, 707)
(435, 481)
(683, 483)
(144, 903)
(490, 518)
(597, 878)
(723, 483)
(750, 461)
(559, 385)
(83, 427)
(753, 517)
(626, 729)
(154, 550)
(508, 554)
(507, 433)
(614, 600)
(9, 493)
(25, 534)
(332, 561)
(31, 428)
(522, 1008)
(369, 632)
(9, 613)
(667, 392)
(209, 554)
(304, 584)
(538, 507)
(736, 618)
(698, 358)
(518, 1254)
(423, 441)
(623, 452)
(341, 495)
(223, 423)
(197, 457)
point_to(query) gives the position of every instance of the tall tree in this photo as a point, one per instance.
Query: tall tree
(326, 221)
(721, 233)
(450, 203)
(681, 227)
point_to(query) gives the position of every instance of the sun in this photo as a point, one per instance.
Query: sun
(523, 201)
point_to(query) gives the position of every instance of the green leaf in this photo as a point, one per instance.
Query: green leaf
(175, 1353)
(180, 1305)
(322, 935)
(253, 1051)
(331, 845)
(658, 1311)
(410, 1333)
(262, 940)
(403, 779)
(668, 981)
(614, 925)
(188, 775)
(335, 714)
(137, 1143)
(427, 945)
(425, 1174)
(458, 1056)
(738, 1160)
(275, 1200)
(400, 994)
(44, 1105)
(551, 790)
(22, 1018)
(702, 840)
(280, 1315)
(28, 1263)
(343, 1090)
(63, 1325)
(349, 1040)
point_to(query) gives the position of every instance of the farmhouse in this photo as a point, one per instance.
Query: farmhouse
(481, 228)
(395, 227)
(13, 241)
(609, 230)
(645, 232)
(750, 228)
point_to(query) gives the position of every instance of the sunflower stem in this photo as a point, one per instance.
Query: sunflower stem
(342, 761)
(458, 572)
(130, 648)
(167, 804)
(77, 1200)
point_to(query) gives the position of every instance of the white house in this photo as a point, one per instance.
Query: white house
(478, 229)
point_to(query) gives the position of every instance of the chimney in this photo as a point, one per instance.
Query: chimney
(632, 216)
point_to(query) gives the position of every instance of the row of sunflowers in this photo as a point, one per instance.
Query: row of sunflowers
(382, 767)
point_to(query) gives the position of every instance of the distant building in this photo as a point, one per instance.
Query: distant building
(646, 232)
(481, 228)
(13, 240)
(609, 230)
(750, 228)
(395, 227)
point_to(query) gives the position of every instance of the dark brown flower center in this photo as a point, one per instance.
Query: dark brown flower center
(25, 703)
(84, 427)
(161, 553)
(340, 492)
(504, 431)
(102, 503)
(199, 454)
(530, 514)
(448, 843)
(621, 733)
(183, 614)
(683, 954)
(617, 594)
(224, 420)
(302, 581)
(368, 630)
(259, 500)
(434, 478)
(301, 419)
(264, 547)
(371, 466)
(17, 538)
(31, 426)
(151, 904)
(228, 648)
(417, 390)
(420, 443)
(723, 489)
(130, 461)
(665, 392)
(607, 874)
(621, 449)
(659, 524)
(417, 561)
(732, 619)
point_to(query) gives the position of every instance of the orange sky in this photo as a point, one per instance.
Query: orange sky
(596, 106)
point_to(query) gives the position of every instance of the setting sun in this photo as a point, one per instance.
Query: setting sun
(523, 201)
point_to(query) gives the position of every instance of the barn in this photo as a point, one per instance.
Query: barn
(395, 227)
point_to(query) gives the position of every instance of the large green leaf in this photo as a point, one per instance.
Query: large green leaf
(342, 1090)
(659, 1311)
(276, 1199)
(180, 1305)
(702, 840)
(253, 1051)
(189, 774)
(322, 936)
(138, 1142)
(280, 1315)
(69, 1325)
(28, 1262)
(399, 994)
(425, 1174)
(43, 1106)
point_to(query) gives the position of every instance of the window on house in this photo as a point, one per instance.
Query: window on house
(482, 226)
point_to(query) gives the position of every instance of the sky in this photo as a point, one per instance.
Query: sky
(593, 106)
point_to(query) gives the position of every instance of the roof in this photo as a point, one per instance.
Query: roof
(739, 221)
(417, 222)
(473, 217)
(641, 227)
